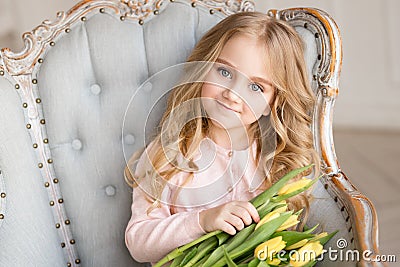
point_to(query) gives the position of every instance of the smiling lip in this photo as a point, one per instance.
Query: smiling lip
(225, 106)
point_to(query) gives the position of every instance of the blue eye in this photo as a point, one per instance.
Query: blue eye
(256, 87)
(225, 73)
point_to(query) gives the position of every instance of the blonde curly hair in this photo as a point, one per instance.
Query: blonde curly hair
(291, 108)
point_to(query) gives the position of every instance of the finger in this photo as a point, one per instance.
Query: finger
(235, 221)
(251, 210)
(227, 228)
(243, 214)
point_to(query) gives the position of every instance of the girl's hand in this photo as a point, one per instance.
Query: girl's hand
(229, 217)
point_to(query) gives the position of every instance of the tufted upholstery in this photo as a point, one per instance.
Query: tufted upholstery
(72, 106)
(85, 83)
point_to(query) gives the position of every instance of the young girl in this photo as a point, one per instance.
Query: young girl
(224, 138)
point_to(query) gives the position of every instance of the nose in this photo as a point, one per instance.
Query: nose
(231, 95)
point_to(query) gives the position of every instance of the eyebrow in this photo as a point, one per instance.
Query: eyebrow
(256, 79)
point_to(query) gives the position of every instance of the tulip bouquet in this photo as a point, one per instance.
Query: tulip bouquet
(267, 243)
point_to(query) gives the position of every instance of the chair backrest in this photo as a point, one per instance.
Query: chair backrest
(63, 137)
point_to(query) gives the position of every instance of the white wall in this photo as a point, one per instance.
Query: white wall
(19, 16)
(370, 82)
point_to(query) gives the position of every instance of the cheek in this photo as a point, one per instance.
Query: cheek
(255, 107)
(207, 94)
(206, 90)
(210, 90)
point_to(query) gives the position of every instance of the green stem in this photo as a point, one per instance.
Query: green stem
(203, 249)
(222, 237)
(200, 263)
(228, 259)
(178, 251)
(254, 262)
(235, 241)
(177, 261)
(260, 235)
(189, 256)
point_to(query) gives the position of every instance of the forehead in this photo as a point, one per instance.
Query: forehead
(247, 54)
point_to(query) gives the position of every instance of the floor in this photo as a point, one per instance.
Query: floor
(371, 159)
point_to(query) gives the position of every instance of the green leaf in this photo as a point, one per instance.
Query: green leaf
(310, 230)
(200, 262)
(254, 262)
(241, 236)
(260, 235)
(233, 242)
(222, 237)
(264, 232)
(263, 264)
(189, 256)
(203, 250)
(214, 257)
(177, 261)
(297, 213)
(228, 259)
(245, 257)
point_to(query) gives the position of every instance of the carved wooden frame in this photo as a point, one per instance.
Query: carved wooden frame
(20, 69)
(360, 210)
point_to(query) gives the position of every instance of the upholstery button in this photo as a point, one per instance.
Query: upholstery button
(230, 189)
(95, 88)
(76, 144)
(32, 113)
(147, 87)
(110, 190)
(230, 153)
(129, 139)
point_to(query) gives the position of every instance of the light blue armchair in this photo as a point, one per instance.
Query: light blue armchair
(64, 142)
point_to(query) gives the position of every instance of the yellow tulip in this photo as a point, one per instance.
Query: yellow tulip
(292, 221)
(281, 209)
(305, 254)
(298, 244)
(289, 188)
(269, 248)
(272, 215)
(319, 236)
